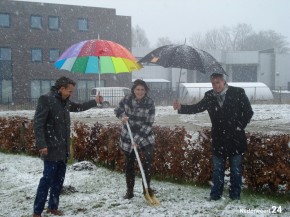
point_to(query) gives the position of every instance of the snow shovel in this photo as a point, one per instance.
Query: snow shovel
(152, 200)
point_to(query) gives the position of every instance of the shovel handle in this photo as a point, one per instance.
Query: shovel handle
(137, 156)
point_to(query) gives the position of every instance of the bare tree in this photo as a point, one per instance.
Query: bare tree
(267, 39)
(216, 39)
(139, 38)
(212, 39)
(163, 41)
(240, 37)
(196, 40)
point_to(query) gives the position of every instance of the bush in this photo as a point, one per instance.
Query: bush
(267, 163)
(178, 155)
(16, 135)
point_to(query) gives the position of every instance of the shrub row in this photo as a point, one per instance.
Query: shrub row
(178, 155)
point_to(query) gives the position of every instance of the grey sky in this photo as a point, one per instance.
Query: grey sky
(178, 19)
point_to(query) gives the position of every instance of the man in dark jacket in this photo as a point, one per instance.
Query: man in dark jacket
(52, 133)
(230, 111)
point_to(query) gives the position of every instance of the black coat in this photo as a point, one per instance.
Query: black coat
(52, 123)
(228, 121)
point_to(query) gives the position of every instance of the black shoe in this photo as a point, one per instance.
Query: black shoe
(213, 198)
(129, 195)
(235, 198)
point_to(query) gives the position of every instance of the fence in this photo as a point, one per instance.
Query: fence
(161, 97)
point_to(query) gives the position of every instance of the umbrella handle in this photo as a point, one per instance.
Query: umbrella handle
(137, 156)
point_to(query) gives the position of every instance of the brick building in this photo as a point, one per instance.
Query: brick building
(33, 36)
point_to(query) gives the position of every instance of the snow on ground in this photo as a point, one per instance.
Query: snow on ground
(100, 193)
(268, 118)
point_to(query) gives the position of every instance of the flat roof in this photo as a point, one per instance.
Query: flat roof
(153, 80)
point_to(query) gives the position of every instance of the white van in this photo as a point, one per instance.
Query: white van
(112, 95)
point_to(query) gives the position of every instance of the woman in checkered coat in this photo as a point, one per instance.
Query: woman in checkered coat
(139, 110)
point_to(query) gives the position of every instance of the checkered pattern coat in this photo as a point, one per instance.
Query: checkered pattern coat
(141, 118)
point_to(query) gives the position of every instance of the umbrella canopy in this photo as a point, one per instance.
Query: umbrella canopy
(97, 56)
(185, 57)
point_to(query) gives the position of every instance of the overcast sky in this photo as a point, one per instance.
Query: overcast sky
(179, 19)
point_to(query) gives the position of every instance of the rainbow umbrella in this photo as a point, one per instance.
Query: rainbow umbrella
(97, 57)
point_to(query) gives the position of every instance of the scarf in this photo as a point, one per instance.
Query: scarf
(222, 95)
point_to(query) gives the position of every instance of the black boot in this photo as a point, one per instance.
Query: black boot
(130, 181)
(129, 194)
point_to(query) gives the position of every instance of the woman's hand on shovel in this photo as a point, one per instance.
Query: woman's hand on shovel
(124, 119)
(134, 145)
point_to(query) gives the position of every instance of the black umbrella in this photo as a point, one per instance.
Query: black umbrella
(184, 57)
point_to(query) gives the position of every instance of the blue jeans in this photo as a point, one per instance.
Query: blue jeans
(219, 174)
(53, 178)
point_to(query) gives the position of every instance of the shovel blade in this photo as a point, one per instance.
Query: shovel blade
(151, 200)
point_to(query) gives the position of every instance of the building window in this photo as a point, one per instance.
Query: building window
(84, 88)
(83, 24)
(53, 23)
(6, 91)
(36, 22)
(53, 54)
(5, 53)
(4, 20)
(5, 70)
(36, 55)
(40, 87)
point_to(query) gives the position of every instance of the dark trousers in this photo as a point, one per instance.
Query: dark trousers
(130, 168)
(53, 178)
(219, 174)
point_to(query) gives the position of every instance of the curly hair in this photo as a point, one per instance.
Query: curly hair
(63, 82)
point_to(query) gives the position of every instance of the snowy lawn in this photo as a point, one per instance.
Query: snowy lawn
(100, 193)
(268, 118)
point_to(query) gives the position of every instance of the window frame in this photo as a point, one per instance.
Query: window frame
(40, 89)
(9, 20)
(78, 24)
(84, 92)
(36, 61)
(58, 23)
(6, 97)
(53, 49)
(9, 48)
(41, 21)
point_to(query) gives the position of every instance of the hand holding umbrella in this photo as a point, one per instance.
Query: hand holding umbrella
(176, 105)
(99, 99)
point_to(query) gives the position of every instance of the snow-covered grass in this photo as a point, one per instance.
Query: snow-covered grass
(100, 193)
(100, 190)
(270, 115)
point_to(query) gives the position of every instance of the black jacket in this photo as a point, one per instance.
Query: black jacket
(52, 123)
(228, 121)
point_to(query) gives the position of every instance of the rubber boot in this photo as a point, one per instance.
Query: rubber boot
(129, 194)
(130, 181)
